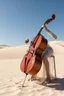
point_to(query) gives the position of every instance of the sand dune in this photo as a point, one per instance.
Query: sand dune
(11, 77)
(13, 52)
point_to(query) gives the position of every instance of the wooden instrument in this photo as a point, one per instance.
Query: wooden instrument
(32, 61)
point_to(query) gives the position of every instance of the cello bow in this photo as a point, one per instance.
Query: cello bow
(47, 22)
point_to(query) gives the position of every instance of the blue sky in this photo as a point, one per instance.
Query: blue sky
(22, 19)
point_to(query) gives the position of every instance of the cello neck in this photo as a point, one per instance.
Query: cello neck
(46, 22)
(43, 26)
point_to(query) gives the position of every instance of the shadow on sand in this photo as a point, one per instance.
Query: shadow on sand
(58, 84)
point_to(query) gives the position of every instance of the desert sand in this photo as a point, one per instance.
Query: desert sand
(11, 77)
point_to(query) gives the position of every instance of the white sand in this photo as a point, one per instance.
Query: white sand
(11, 77)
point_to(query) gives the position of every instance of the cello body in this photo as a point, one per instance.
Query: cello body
(32, 61)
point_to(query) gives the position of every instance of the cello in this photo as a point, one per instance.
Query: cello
(32, 61)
